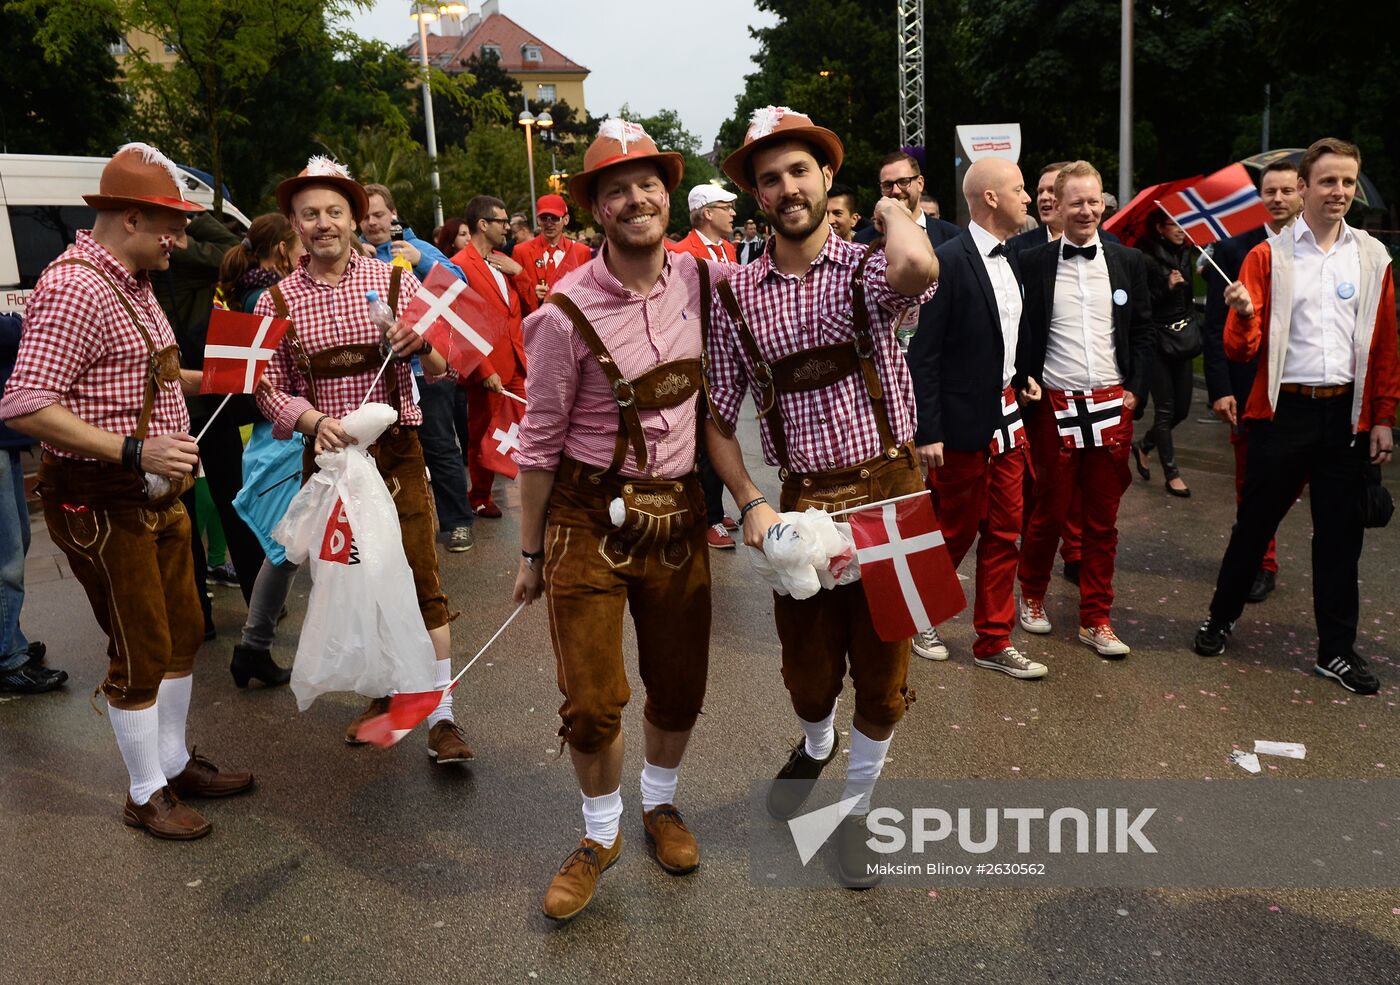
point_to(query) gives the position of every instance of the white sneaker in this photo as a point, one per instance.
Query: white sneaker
(1104, 640)
(929, 646)
(1010, 661)
(1033, 617)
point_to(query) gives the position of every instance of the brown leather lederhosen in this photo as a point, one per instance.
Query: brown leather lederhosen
(130, 552)
(656, 563)
(397, 454)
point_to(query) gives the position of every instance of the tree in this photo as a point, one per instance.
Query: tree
(57, 101)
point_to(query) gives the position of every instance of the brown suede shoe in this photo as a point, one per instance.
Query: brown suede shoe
(165, 817)
(672, 842)
(379, 706)
(447, 744)
(572, 887)
(201, 778)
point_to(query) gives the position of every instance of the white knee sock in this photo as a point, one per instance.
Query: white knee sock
(443, 712)
(658, 785)
(600, 817)
(866, 761)
(173, 706)
(138, 738)
(821, 736)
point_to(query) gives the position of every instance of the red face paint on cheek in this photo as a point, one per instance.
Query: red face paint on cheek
(167, 243)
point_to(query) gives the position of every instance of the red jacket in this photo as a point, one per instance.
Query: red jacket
(508, 356)
(531, 255)
(695, 246)
(1267, 270)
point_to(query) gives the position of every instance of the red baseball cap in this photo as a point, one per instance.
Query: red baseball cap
(551, 205)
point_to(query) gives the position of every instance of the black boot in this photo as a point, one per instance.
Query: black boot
(249, 662)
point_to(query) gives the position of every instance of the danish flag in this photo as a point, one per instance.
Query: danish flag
(910, 583)
(502, 438)
(454, 319)
(1088, 418)
(1218, 206)
(238, 349)
(1011, 431)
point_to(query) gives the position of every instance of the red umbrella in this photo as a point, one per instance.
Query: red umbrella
(1132, 222)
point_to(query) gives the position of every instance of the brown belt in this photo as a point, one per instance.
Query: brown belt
(1316, 392)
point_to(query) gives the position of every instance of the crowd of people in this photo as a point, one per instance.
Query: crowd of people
(1000, 366)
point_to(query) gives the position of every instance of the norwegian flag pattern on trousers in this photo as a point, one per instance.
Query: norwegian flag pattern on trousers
(1091, 418)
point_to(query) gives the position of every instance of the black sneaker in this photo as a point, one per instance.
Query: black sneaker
(1072, 571)
(29, 679)
(1351, 672)
(222, 575)
(855, 861)
(1211, 637)
(796, 779)
(1263, 585)
(37, 652)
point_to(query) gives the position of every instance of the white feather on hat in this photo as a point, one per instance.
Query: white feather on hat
(150, 155)
(765, 120)
(623, 131)
(321, 166)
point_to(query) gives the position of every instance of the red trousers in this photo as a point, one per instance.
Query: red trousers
(1239, 442)
(1099, 477)
(1072, 537)
(478, 421)
(979, 495)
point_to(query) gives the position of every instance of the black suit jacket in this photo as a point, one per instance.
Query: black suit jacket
(957, 353)
(939, 232)
(1134, 334)
(1223, 377)
(746, 252)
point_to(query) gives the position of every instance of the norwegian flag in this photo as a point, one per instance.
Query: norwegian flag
(1011, 432)
(455, 319)
(1090, 418)
(910, 582)
(238, 349)
(1218, 206)
(502, 438)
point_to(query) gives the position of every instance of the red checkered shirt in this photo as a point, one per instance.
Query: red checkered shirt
(834, 427)
(325, 316)
(571, 410)
(80, 349)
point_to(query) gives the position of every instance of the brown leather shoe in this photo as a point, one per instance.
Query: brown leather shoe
(379, 706)
(572, 887)
(164, 816)
(672, 842)
(447, 744)
(201, 778)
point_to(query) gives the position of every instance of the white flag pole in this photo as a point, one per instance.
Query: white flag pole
(513, 396)
(509, 619)
(223, 403)
(883, 502)
(1209, 259)
(372, 383)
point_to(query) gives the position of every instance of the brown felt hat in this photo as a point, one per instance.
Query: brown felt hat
(140, 175)
(328, 173)
(773, 125)
(622, 142)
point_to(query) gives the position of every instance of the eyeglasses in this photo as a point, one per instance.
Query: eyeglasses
(548, 217)
(501, 219)
(901, 183)
(726, 206)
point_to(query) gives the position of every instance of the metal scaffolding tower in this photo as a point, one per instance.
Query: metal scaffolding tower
(910, 14)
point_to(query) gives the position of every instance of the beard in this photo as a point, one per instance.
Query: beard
(631, 241)
(816, 218)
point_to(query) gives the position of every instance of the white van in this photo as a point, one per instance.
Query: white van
(42, 209)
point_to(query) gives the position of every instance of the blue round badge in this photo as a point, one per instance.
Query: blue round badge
(1120, 297)
(1345, 290)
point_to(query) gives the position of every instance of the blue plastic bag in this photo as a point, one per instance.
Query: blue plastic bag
(271, 477)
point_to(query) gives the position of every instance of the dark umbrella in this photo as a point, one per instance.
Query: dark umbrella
(1132, 222)
(1366, 191)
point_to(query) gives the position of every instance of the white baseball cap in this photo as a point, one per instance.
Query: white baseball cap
(707, 194)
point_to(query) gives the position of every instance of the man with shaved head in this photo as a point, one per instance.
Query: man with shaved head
(969, 437)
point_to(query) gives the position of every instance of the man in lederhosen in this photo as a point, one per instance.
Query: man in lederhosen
(98, 381)
(612, 514)
(809, 327)
(321, 371)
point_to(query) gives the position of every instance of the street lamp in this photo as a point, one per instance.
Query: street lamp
(527, 120)
(422, 13)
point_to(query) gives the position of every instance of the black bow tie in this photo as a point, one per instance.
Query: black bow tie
(997, 251)
(1087, 252)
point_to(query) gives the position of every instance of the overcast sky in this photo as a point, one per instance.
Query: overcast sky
(695, 66)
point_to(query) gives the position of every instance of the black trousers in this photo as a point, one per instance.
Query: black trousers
(221, 454)
(1308, 440)
(1171, 403)
(713, 488)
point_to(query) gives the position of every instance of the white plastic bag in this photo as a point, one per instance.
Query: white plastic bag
(806, 552)
(363, 630)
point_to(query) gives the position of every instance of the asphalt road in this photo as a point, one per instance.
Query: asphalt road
(361, 865)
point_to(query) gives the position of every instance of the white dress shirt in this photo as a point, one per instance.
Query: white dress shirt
(1321, 339)
(500, 283)
(1008, 295)
(1079, 352)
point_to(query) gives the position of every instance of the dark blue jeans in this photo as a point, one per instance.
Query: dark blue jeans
(444, 408)
(14, 545)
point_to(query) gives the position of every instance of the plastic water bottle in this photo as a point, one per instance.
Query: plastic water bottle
(381, 317)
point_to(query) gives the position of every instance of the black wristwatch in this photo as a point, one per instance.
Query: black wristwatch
(532, 556)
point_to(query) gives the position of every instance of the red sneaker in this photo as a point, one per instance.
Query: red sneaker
(718, 538)
(489, 510)
(730, 523)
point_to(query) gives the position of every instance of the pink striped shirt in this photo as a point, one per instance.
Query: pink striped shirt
(326, 316)
(834, 427)
(570, 409)
(80, 349)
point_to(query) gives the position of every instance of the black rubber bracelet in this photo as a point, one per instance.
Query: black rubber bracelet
(744, 510)
(532, 555)
(131, 454)
(316, 428)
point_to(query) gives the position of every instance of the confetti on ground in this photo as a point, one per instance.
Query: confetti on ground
(194, 884)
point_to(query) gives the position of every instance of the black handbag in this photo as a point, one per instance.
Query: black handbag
(1182, 339)
(1377, 505)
